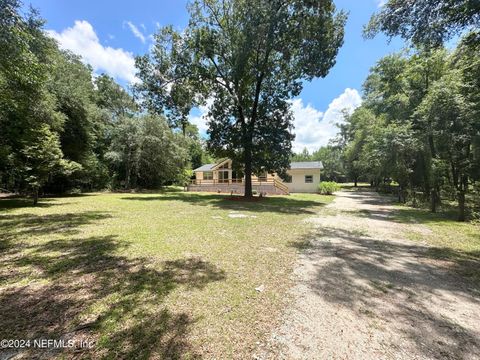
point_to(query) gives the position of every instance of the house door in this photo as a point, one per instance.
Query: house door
(223, 176)
(237, 176)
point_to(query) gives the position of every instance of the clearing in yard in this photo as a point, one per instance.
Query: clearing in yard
(196, 275)
(168, 275)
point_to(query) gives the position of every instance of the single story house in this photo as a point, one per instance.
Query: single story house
(221, 177)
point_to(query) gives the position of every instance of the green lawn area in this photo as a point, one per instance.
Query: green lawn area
(162, 275)
(451, 240)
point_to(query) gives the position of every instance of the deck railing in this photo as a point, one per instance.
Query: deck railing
(269, 181)
(281, 186)
(231, 181)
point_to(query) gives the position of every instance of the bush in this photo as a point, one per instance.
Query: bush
(328, 187)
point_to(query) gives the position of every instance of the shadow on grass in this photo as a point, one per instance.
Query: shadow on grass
(15, 202)
(401, 214)
(402, 286)
(11, 203)
(82, 289)
(24, 225)
(276, 204)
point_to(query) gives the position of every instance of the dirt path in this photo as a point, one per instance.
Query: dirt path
(365, 292)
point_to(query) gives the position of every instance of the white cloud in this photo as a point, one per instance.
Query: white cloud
(314, 128)
(349, 100)
(136, 32)
(381, 3)
(201, 119)
(82, 40)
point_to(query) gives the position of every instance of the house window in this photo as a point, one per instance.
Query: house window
(223, 176)
(308, 179)
(208, 175)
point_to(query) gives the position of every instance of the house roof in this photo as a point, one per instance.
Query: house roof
(293, 165)
(306, 165)
(210, 167)
(206, 167)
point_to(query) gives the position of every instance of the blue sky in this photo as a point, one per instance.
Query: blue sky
(108, 34)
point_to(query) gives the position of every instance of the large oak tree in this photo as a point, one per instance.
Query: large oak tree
(249, 57)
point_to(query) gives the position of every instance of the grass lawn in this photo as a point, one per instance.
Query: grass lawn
(166, 275)
(451, 240)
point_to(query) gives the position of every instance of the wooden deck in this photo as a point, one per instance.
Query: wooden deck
(236, 186)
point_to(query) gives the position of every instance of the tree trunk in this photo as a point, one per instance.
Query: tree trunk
(439, 196)
(433, 201)
(128, 170)
(127, 175)
(355, 182)
(184, 127)
(35, 196)
(248, 172)
(461, 205)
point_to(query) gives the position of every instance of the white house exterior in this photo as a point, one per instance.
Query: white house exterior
(304, 176)
(220, 177)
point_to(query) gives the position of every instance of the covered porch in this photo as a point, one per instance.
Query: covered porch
(221, 177)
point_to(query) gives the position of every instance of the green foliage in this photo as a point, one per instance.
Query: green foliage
(303, 156)
(332, 159)
(163, 154)
(425, 22)
(112, 97)
(183, 178)
(145, 152)
(61, 131)
(418, 126)
(333, 165)
(439, 96)
(28, 113)
(198, 155)
(328, 187)
(43, 158)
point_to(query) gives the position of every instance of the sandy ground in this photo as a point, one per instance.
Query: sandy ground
(365, 292)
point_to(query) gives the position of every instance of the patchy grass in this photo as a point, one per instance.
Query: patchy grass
(162, 275)
(451, 240)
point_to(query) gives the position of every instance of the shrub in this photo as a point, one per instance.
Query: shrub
(328, 187)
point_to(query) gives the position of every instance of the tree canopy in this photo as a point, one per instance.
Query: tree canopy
(64, 128)
(425, 22)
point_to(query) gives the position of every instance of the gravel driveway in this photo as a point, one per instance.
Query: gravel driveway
(365, 292)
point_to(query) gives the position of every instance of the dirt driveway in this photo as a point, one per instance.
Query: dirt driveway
(365, 292)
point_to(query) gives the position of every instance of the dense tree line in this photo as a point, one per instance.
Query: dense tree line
(418, 126)
(63, 128)
(424, 107)
(419, 123)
